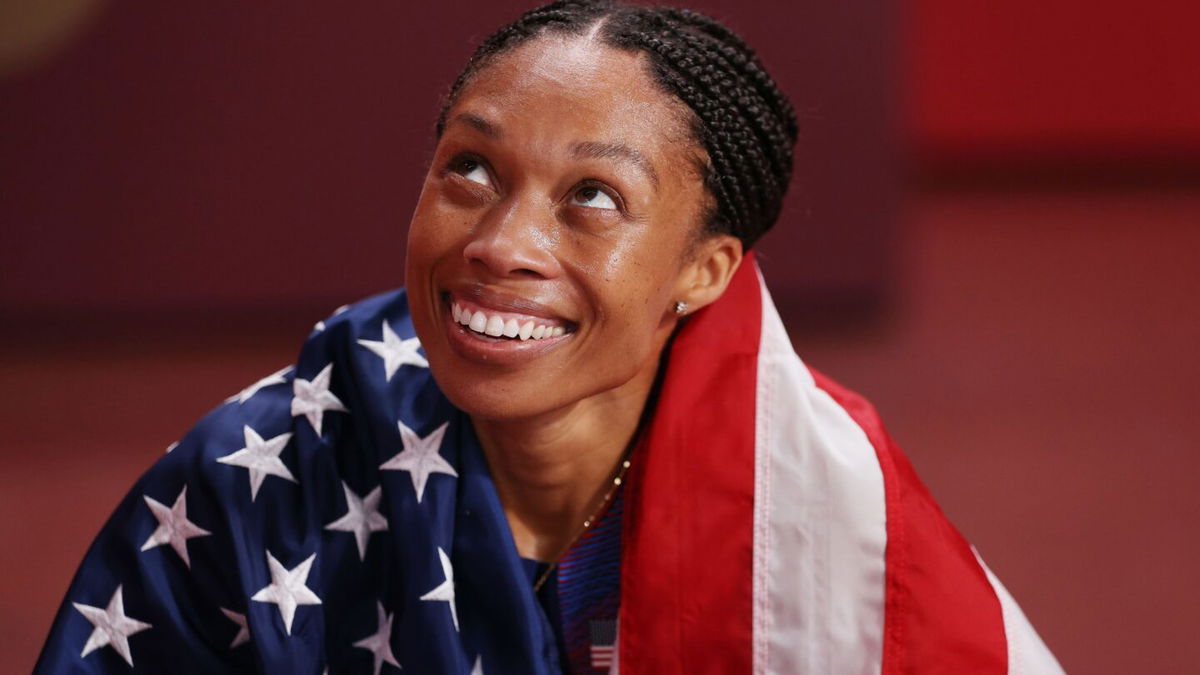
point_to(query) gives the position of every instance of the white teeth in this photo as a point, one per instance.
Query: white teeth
(478, 322)
(462, 316)
(495, 326)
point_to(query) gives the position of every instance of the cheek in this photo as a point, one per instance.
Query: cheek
(432, 234)
(419, 229)
(635, 316)
(642, 274)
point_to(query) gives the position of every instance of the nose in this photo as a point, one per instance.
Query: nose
(514, 240)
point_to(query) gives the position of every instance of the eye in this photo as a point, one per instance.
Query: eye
(473, 170)
(593, 197)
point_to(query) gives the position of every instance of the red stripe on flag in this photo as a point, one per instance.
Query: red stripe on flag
(940, 612)
(686, 603)
(602, 657)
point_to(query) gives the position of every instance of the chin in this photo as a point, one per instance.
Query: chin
(495, 398)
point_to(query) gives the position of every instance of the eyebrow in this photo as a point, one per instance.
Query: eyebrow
(477, 123)
(579, 150)
(601, 150)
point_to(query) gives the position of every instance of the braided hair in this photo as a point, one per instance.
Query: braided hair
(738, 114)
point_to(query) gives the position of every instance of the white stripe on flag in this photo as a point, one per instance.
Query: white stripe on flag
(1027, 654)
(602, 657)
(820, 529)
(615, 669)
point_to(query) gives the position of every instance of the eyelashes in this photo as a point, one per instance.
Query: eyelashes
(472, 169)
(594, 197)
(588, 194)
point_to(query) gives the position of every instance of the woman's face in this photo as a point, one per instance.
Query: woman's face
(560, 206)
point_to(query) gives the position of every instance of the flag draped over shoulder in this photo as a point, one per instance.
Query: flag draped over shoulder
(338, 516)
(774, 527)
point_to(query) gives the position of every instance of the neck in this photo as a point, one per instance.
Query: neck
(553, 471)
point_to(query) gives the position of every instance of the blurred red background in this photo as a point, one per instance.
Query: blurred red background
(993, 234)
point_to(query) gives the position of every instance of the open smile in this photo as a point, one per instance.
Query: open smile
(497, 324)
(500, 329)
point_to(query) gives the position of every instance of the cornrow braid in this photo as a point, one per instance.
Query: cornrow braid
(739, 116)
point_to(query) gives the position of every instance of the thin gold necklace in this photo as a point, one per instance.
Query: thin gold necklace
(587, 524)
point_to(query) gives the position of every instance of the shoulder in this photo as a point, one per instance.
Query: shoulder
(845, 504)
(940, 599)
(365, 319)
(265, 483)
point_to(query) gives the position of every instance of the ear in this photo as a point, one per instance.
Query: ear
(706, 275)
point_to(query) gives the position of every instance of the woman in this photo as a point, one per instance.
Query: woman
(578, 440)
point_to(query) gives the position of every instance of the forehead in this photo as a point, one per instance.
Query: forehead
(577, 88)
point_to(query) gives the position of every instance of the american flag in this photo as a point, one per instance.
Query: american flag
(603, 643)
(338, 516)
(334, 516)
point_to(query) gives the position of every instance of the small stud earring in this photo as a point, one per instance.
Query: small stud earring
(681, 307)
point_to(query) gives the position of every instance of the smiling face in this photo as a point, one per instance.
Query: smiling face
(555, 231)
